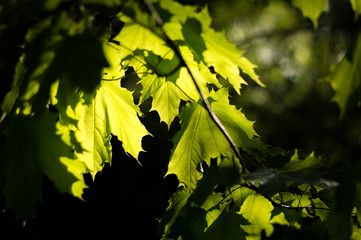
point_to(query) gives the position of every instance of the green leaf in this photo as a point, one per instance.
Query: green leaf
(227, 59)
(156, 64)
(257, 210)
(345, 79)
(179, 12)
(11, 97)
(42, 150)
(177, 202)
(227, 226)
(225, 175)
(191, 31)
(111, 111)
(166, 101)
(159, 78)
(236, 123)
(356, 6)
(199, 71)
(297, 171)
(346, 198)
(135, 36)
(56, 47)
(295, 164)
(311, 9)
(200, 138)
(203, 198)
(80, 60)
(191, 226)
(356, 233)
(210, 47)
(66, 100)
(114, 56)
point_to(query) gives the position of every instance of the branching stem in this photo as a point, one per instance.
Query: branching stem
(158, 20)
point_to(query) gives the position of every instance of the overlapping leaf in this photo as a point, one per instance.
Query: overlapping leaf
(205, 207)
(297, 171)
(212, 48)
(160, 80)
(200, 138)
(111, 111)
(156, 64)
(57, 47)
(37, 145)
(257, 210)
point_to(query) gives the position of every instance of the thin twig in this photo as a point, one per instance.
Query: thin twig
(282, 205)
(159, 22)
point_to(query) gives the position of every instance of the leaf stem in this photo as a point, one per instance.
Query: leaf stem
(158, 20)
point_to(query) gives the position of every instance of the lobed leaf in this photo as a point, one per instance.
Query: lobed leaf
(199, 139)
(257, 210)
(209, 47)
(111, 111)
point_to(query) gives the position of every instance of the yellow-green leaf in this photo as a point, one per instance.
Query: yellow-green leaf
(111, 111)
(257, 210)
(311, 9)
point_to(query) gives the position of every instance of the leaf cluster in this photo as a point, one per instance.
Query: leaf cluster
(68, 100)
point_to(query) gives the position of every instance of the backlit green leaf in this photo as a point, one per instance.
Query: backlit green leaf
(159, 79)
(227, 60)
(210, 47)
(200, 139)
(257, 210)
(111, 111)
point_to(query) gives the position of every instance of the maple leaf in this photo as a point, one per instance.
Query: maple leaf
(227, 59)
(200, 138)
(158, 77)
(135, 36)
(156, 65)
(111, 111)
(210, 47)
(257, 210)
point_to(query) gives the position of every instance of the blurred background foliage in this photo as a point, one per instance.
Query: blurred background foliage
(294, 59)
